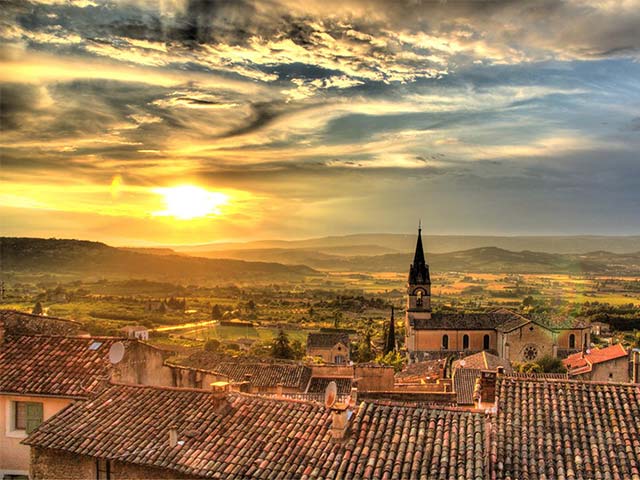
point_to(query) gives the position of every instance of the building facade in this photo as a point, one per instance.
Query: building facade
(512, 336)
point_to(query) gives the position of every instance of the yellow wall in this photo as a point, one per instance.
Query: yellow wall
(431, 340)
(14, 457)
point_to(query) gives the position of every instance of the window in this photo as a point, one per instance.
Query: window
(419, 298)
(103, 469)
(339, 359)
(486, 342)
(572, 341)
(27, 416)
(445, 342)
(465, 342)
(586, 341)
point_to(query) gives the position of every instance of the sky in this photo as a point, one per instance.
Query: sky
(192, 121)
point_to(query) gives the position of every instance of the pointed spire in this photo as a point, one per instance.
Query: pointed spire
(419, 271)
(418, 257)
(390, 341)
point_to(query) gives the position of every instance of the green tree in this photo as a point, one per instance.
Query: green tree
(392, 359)
(281, 348)
(37, 309)
(216, 312)
(212, 345)
(550, 364)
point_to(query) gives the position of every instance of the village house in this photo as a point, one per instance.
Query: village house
(331, 347)
(600, 364)
(512, 336)
(192, 433)
(136, 331)
(46, 364)
(200, 434)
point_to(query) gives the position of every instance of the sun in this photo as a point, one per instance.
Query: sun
(186, 202)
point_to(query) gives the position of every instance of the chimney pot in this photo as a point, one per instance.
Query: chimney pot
(339, 422)
(173, 436)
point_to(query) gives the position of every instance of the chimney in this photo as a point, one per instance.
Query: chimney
(173, 436)
(485, 389)
(279, 390)
(354, 395)
(339, 422)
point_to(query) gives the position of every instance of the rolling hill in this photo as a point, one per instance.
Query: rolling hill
(377, 244)
(479, 260)
(94, 259)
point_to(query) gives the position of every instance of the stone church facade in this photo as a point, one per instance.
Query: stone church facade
(511, 335)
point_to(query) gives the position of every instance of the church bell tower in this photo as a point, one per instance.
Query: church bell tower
(418, 295)
(419, 284)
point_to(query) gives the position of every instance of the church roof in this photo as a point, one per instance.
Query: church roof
(468, 321)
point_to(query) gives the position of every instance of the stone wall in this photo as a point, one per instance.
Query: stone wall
(48, 464)
(527, 338)
(612, 371)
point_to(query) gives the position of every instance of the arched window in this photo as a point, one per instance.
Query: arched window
(572, 341)
(465, 342)
(486, 342)
(445, 342)
(419, 299)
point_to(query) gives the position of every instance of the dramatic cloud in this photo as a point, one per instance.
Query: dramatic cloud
(472, 115)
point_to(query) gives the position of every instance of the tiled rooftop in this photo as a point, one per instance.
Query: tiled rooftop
(558, 429)
(327, 339)
(418, 371)
(484, 361)
(319, 384)
(469, 321)
(394, 442)
(267, 374)
(582, 363)
(54, 365)
(237, 436)
(464, 381)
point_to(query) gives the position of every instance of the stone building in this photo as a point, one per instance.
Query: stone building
(511, 335)
(332, 347)
(610, 364)
(45, 365)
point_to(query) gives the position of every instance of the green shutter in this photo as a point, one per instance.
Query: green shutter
(34, 416)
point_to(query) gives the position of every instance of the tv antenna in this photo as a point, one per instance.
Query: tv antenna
(330, 394)
(116, 353)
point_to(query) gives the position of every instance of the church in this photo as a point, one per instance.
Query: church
(510, 335)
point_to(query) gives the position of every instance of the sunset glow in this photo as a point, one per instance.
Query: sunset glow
(187, 202)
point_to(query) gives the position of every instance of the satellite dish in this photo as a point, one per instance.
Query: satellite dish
(330, 394)
(116, 352)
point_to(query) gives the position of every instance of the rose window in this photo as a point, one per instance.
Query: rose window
(530, 353)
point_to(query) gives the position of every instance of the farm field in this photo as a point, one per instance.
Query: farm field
(186, 316)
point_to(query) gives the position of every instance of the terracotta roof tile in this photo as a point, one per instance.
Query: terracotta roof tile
(266, 374)
(581, 363)
(464, 381)
(484, 361)
(469, 321)
(238, 436)
(327, 339)
(319, 384)
(54, 365)
(558, 429)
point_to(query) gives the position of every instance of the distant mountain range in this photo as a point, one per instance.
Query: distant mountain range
(378, 244)
(94, 259)
(479, 260)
